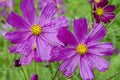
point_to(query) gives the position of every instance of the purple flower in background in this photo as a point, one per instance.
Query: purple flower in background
(59, 3)
(34, 77)
(5, 28)
(82, 50)
(5, 5)
(34, 38)
(104, 12)
(96, 1)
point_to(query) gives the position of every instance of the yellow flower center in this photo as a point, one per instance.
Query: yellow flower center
(36, 30)
(97, 1)
(35, 47)
(100, 11)
(82, 49)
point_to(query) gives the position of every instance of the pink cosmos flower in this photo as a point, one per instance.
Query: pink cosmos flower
(5, 5)
(34, 38)
(59, 3)
(34, 77)
(104, 12)
(82, 50)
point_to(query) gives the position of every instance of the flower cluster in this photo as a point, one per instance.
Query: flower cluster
(47, 38)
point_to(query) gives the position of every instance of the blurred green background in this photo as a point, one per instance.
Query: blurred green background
(75, 9)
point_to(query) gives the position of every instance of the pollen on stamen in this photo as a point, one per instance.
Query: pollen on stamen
(35, 47)
(82, 49)
(97, 1)
(36, 30)
(100, 11)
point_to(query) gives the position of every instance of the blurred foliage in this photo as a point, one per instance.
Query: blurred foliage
(75, 9)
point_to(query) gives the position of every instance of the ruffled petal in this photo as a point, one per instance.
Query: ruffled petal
(85, 68)
(80, 28)
(61, 53)
(102, 49)
(28, 11)
(109, 8)
(66, 37)
(17, 21)
(26, 60)
(43, 49)
(99, 63)
(96, 34)
(24, 48)
(69, 65)
(47, 13)
(17, 37)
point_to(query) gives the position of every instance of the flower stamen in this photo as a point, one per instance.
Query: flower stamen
(100, 11)
(36, 30)
(82, 49)
(97, 1)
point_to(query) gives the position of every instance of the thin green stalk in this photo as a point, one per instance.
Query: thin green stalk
(23, 73)
(55, 74)
(113, 31)
(51, 68)
(118, 73)
(35, 66)
(92, 19)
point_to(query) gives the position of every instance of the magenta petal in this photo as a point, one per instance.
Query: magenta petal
(101, 49)
(61, 53)
(26, 60)
(96, 17)
(103, 3)
(17, 37)
(85, 68)
(25, 47)
(96, 34)
(99, 63)
(59, 23)
(107, 17)
(47, 13)
(80, 28)
(109, 8)
(66, 37)
(69, 65)
(28, 10)
(43, 49)
(104, 19)
(17, 21)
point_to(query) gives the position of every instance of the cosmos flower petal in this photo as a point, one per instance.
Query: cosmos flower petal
(26, 60)
(99, 63)
(46, 14)
(69, 65)
(43, 49)
(28, 11)
(59, 23)
(104, 19)
(80, 28)
(17, 37)
(96, 34)
(102, 3)
(23, 48)
(85, 68)
(52, 38)
(109, 8)
(61, 53)
(107, 17)
(66, 37)
(97, 18)
(102, 49)
(17, 21)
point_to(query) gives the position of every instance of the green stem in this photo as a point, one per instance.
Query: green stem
(55, 74)
(50, 68)
(35, 66)
(92, 19)
(23, 73)
(113, 31)
(114, 76)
